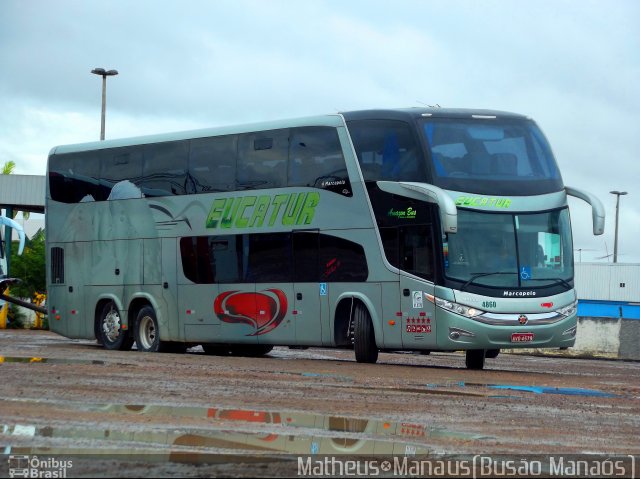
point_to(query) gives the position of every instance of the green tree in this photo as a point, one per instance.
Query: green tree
(8, 167)
(30, 267)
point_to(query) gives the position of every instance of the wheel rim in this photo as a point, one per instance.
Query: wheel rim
(111, 326)
(147, 332)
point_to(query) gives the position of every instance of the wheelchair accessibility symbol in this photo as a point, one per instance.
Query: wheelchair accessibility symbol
(525, 273)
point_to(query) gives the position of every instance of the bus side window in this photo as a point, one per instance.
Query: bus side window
(316, 160)
(410, 248)
(262, 160)
(341, 260)
(416, 250)
(165, 169)
(122, 164)
(269, 258)
(61, 179)
(305, 254)
(228, 258)
(387, 150)
(188, 254)
(212, 164)
(75, 177)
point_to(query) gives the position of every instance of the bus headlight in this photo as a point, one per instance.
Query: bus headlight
(462, 310)
(568, 310)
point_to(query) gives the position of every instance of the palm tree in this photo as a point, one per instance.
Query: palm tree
(8, 167)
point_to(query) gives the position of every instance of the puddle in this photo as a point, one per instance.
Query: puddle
(339, 377)
(532, 389)
(289, 421)
(551, 390)
(238, 431)
(282, 353)
(15, 359)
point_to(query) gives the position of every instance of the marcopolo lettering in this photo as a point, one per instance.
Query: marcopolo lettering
(285, 209)
(518, 294)
(483, 201)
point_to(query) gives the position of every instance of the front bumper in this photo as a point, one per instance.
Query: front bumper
(455, 332)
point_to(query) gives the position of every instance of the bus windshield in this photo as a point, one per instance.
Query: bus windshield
(507, 156)
(510, 250)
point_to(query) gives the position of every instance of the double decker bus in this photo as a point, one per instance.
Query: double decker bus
(382, 230)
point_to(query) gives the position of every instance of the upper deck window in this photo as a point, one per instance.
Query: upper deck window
(387, 150)
(490, 156)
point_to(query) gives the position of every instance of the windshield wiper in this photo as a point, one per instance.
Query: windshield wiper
(475, 276)
(557, 280)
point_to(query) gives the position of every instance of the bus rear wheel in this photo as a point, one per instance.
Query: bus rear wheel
(109, 330)
(364, 338)
(475, 358)
(147, 332)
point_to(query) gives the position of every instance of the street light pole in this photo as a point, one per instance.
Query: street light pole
(104, 73)
(615, 243)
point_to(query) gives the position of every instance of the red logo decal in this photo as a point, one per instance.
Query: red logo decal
(264, 310)
(547, 305)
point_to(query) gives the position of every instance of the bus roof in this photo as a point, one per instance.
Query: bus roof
(334, 120)
(411, 113)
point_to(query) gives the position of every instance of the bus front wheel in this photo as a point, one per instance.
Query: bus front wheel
(492, 353)
(109, 330)
(364, 339)
(147, 331)
(475, 358)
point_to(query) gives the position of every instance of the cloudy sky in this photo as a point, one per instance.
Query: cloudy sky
(574, 66)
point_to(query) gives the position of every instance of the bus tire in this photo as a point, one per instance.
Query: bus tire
(364, 338)
(109, 330)
(492, 353)
(475, 358)
(147, 332)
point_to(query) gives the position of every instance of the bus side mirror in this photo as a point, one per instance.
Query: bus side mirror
(597, 210)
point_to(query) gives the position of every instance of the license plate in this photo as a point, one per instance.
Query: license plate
(521, 337)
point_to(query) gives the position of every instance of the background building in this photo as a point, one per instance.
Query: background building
(608, 309)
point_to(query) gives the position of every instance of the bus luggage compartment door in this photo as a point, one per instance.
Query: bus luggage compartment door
(235, 306)
(195, 311)
(274, 313)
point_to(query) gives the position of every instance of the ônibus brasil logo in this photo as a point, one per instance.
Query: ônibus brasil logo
(263, 311)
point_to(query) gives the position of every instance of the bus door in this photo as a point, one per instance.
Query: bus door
(416, 256)
(310, 307)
